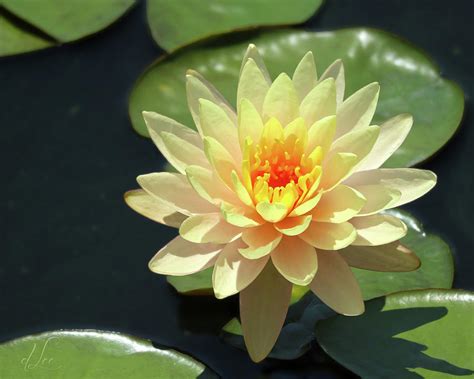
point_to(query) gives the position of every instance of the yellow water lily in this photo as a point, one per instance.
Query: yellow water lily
(287, 189)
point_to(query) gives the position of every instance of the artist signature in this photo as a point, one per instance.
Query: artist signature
(38, 358)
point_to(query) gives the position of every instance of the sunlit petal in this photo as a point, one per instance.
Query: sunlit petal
(378, 229)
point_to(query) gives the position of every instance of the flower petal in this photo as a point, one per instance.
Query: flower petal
(216, 124)
(337, 168)
(261, 240)
(320, 102)
(338, 205)
(328, 236)
(199, 88)
(263, 307)
(175, 191)
(253, 85)
(221, 160)
(392, 134)
(357, 110)
(336, 285)
(272, 212)
(411, 182)
(181, 154)
(336, 71)
(281, 101)
(321, 133)
(358, 142)
(378, 230)
(210, 227)
(158, 124)
(295, 260)
(292, 226)
(232, 272)
(209, 186)
(240, 190)
(243, 217)
(379, 198)
(305, 76)
(180, 257)
(153, 209)
(392, 257)
(307, 205)
(252, 52)
(250, 123)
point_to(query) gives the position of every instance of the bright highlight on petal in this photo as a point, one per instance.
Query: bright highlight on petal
(282, 188)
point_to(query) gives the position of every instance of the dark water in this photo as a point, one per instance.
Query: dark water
(74, 256)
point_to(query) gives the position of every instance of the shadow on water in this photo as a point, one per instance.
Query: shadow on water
(394, 356)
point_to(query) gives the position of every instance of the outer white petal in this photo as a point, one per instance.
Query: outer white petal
(208, 228)
(175, 191)
(233, 272)
(281, 101)
(252, 52)
(357, 110)
(253, 85)
(158, 124)
(199, 88)
(392, 134)
(336, 285)
(336, 71)
(378, 229)
(180, 257)
(412, 183)
(305, 76)
(153, 209)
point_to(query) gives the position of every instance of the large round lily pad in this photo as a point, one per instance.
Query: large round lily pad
(49, 22)
(93, 354)
(174, 24)
(415, 334)
(410, 81)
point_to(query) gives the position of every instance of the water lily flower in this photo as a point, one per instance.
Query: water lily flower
(286, 189)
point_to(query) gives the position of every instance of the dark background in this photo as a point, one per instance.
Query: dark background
(74, 256)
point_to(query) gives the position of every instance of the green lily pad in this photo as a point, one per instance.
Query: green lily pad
(93, 354)
(61, 21)
(415, 334)
(15, 40)
(410, 81)
(175, 24)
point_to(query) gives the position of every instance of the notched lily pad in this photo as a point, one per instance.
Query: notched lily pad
(410, 81)
(58, 20)
(414, 334)
(174, 24)
(93, 354)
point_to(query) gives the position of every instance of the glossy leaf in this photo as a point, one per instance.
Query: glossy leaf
(415, 334)
(410, 81)
(61, 21)
(93, 354)
(174, 24)
(15, 40)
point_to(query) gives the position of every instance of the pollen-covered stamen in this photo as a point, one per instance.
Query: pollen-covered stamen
(278, 168)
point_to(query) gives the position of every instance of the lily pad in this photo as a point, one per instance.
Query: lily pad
(15, 40)
(175, 24)
(93, 354)
(415, 334)
(410, 81)
(61, 21)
